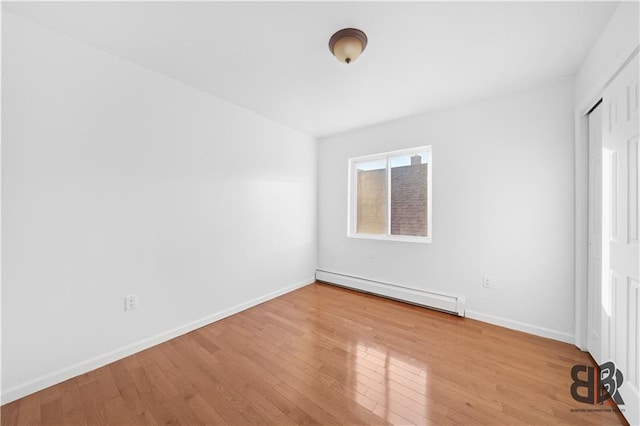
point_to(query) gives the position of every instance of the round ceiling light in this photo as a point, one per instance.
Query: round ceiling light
(348, 44)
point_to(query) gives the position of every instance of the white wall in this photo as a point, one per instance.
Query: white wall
(502, 206)
(118, 180)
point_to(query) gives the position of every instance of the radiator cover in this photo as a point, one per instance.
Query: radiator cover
(442, 302)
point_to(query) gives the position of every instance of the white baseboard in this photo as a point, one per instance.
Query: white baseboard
(66, 373)
(443, 302)
(521, 326)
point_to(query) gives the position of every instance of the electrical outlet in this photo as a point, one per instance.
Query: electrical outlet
(130, 302)
(487, 282)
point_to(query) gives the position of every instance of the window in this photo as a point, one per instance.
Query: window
(390, 196)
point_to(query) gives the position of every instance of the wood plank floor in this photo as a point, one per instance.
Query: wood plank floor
(326, 355)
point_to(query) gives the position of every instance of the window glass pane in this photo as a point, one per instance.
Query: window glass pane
(371, 203)
(409, 175)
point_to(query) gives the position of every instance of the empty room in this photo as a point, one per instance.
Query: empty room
(320, 213)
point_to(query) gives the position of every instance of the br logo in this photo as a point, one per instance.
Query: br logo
(601, 383)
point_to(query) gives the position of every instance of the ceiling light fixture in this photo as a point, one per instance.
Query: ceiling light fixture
(348, 44)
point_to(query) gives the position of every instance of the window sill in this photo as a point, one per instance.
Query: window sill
(407, 239)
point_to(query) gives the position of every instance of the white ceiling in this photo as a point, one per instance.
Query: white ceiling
(273, 58)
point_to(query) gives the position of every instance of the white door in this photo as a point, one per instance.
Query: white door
(594, 293)
(620, 298)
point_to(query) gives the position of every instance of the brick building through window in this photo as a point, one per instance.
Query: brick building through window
(392, 195)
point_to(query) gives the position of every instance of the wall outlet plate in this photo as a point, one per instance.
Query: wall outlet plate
(487, 282)
(130, 302)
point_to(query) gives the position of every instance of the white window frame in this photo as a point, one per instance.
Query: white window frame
(353, 197)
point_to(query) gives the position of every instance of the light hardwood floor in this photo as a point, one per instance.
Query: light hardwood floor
(326, 355)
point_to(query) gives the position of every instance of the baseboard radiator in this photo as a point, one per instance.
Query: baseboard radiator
(428, 299)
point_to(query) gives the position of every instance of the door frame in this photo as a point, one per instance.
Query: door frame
(581, 194)
(595, 238)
